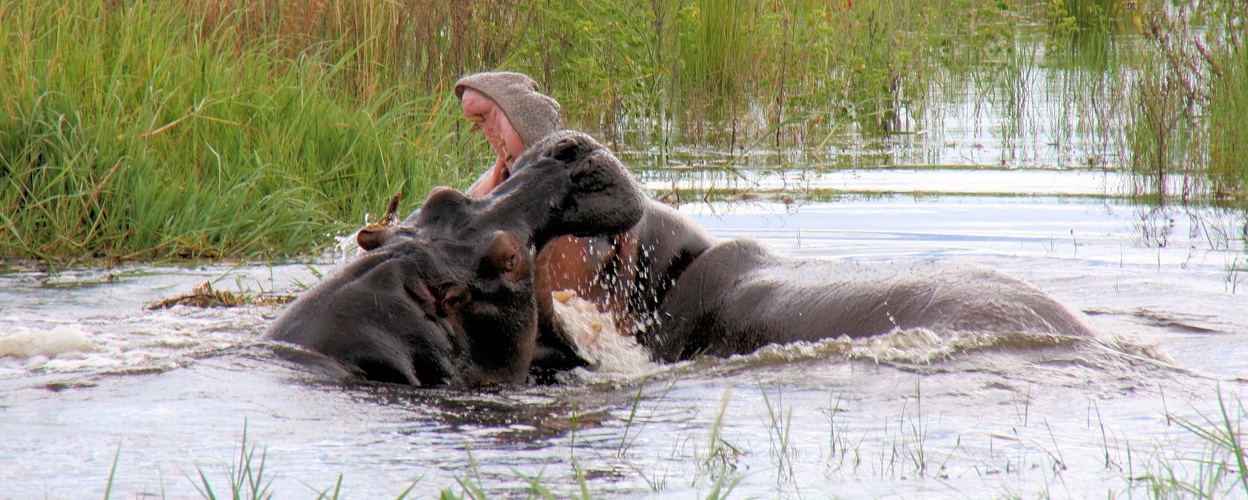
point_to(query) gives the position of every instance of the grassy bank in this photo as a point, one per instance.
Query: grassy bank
(199, 129)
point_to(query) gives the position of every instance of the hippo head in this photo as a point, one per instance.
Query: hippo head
(447, 296)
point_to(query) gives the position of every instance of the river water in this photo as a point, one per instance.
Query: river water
(90, 380)
(166, 395)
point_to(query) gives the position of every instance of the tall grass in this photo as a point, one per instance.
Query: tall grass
(137, 130)
(1190, 123)
(1228, 111)
(230, 128)
(204, 129)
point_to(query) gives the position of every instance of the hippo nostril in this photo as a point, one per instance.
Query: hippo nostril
(566, 150)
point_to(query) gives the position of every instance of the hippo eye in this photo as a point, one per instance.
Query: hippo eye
(449, 297)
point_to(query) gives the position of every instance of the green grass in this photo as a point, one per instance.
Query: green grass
(1227, 119)
(1220, 471)
(1190, 116)
(196, 129)
(134, 130)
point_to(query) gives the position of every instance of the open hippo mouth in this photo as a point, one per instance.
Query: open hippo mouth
(447, 296)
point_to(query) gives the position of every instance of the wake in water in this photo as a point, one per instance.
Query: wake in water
(133, 340)
(138, 342)
(28, 349)
(618, 358)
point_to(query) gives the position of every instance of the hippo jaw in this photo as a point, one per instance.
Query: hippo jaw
(408, 314)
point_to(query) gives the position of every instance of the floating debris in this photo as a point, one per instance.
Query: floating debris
(204, 296)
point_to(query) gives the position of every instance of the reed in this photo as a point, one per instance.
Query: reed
(1221, 470)
(1227, 118)
(160, 131)
(1190, 121)
(246, 476)
(227, 128)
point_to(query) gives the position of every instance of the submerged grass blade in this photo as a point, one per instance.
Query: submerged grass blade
(108, 490)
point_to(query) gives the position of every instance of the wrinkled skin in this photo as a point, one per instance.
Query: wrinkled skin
(600, 269)
(447, 296)
(567, 262)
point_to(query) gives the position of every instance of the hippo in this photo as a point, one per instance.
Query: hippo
(448, 296)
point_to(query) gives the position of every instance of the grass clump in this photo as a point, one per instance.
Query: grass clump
(159, 130)
(206, 129)
(1191, 110)
(1228, 110)
(194, 129)
(1221, 471)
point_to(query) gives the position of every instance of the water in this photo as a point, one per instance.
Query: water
(174, 389)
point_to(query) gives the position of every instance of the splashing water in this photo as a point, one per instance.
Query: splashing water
(33, 348)
(347, 249)
(597, 339)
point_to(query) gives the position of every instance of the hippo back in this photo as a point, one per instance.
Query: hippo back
(739, 296)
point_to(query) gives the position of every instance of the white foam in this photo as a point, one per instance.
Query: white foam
(597, 339)
(915, 345)
(29, 345)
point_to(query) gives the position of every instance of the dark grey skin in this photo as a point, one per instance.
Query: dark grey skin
(739, 296)
(446, 298)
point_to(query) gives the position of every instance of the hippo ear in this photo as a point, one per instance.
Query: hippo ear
(506, 257)
(373, 236)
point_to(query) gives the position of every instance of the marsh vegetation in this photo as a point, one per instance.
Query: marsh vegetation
(209, 129)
